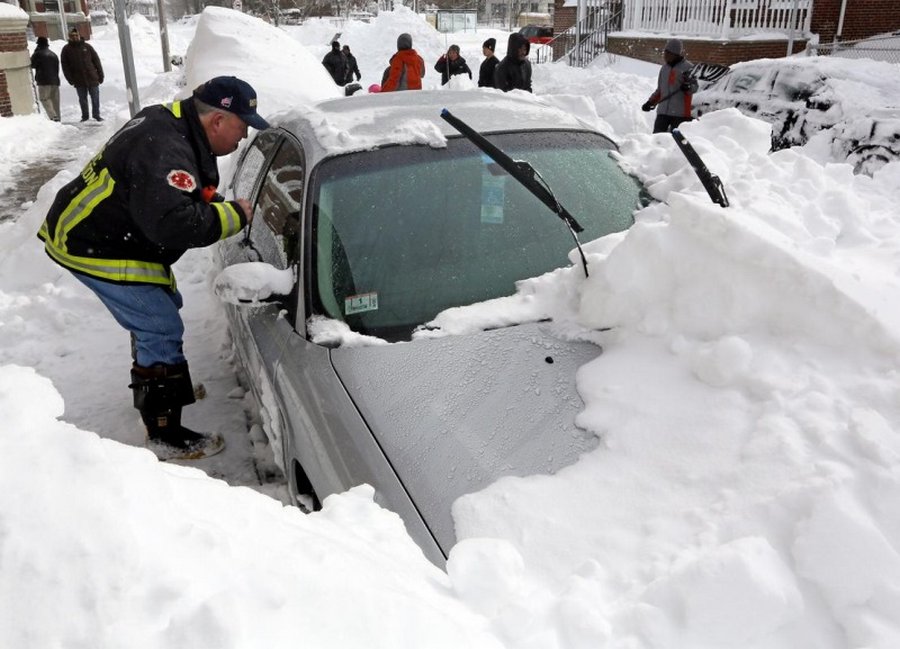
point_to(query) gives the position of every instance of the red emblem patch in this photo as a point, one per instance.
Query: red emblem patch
(180, 179)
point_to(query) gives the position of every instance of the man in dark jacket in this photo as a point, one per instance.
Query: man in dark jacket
(406, 68)
(336, 64)
(675, 88)
(486, 71)
(46, 76)
(450, 64)
(514, 71)
(146, 198)
(352, 67)
(82, 69)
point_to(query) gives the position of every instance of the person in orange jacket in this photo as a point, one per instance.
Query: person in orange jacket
(406, 69)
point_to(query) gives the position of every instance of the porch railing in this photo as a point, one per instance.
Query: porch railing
(585, 40)
(718, 18)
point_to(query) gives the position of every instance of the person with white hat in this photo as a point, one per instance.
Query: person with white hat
(675, 88)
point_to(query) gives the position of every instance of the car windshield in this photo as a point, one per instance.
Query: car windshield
(404, 232)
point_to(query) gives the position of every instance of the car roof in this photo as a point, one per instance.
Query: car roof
(373, 120)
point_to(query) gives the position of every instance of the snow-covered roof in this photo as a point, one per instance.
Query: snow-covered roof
(368, 121)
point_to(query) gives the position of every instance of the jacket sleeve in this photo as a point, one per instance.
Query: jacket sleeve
(96, 60)
(173, 217)
(439, 66)
(501, 82)
(66, 62)
(393, 78)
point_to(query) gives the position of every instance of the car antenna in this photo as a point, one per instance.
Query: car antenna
(524, 173)
(711, 182)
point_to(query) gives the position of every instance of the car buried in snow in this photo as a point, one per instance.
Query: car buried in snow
(381, 215)
(854, 100)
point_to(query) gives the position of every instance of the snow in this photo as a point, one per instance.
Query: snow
(8, 10)
(745, 492)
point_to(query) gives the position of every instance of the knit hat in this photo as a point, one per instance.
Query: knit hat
(404, 42)
(490, 43)
(42, 41)
(675, 46)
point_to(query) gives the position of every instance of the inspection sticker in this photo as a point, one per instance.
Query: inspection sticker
(360, 303)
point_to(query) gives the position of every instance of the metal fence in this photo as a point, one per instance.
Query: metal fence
(885, 48)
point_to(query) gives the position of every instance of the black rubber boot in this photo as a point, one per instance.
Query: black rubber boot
(159, 394)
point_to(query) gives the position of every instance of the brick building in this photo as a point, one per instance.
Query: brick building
(46, 20)
(16, 94)
(728, 31)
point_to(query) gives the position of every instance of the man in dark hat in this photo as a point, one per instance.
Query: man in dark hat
(352, 66)
(486, 71)
(675, 89)
(46, 76)
(82, 69)
(336, 64)
(146, 198)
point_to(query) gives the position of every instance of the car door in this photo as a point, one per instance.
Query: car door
(271, 175)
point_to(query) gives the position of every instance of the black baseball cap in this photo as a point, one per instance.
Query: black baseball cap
(233, 95)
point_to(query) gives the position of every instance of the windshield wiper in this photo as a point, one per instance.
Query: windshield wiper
(522, 171)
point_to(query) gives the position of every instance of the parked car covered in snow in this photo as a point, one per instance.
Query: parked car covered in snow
(383, 216)
(803, 96)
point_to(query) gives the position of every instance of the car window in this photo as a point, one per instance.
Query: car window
(744, 80)
(791, 86)
(244, 182)
(276, 212)
(403, 233)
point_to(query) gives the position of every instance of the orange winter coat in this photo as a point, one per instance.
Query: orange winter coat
(406, 71)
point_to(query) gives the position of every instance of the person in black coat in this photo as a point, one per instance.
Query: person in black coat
(46, 76)
(352, 67)
(486, 71)
(451, 64)
(514, 71)
(336, 64)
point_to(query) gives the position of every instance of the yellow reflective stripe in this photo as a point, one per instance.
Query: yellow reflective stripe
(82, 206)
(119, 270)
(229, 218)
(174, 108)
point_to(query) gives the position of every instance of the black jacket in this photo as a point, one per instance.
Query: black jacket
(352, 69)
(142, 201)
(513, 72)
(486, 72)
(81, 65)
(449, 68)
(336, 64)
(46, 66)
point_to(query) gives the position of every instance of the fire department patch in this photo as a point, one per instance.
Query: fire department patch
(180, 179)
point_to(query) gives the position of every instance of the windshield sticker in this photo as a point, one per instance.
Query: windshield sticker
(360, 303)
(493, 195)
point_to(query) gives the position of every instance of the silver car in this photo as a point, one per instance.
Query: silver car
(388, 216)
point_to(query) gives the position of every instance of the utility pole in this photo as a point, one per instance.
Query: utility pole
(131, 88)
(164, 35)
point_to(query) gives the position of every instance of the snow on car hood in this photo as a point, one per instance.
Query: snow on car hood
(453, 414)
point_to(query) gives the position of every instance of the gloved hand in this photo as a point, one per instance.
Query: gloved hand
(648, 106)
(685, 87)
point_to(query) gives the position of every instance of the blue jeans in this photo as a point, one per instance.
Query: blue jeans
(83, 92)
(150, 313)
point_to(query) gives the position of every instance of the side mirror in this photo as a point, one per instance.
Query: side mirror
(252, 283)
